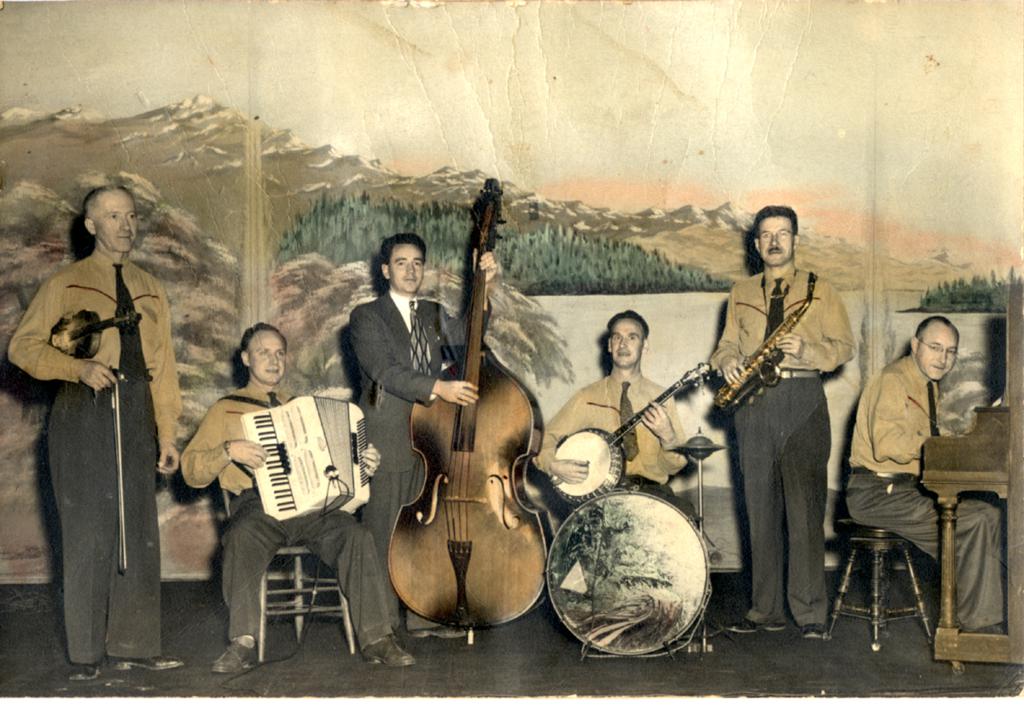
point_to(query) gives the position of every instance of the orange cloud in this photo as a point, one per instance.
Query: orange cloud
(630, 195)
(817, 210)
(907, 242)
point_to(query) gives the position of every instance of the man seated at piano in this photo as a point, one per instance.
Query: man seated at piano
(649, 452)
(898, 410)
(219, 451)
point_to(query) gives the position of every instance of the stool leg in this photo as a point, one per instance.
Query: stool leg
(918, 596)
(844, 586)
(877, 565)
(298, 583)
(261, 638)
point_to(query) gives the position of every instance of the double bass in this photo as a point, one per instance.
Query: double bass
(466, 552)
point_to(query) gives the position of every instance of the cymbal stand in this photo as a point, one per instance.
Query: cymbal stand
(698, 448)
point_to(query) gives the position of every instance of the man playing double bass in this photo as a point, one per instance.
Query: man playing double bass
(108, 611)
(398, 340)
(649, 449)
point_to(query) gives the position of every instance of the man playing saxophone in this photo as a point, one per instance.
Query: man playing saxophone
(783, 433)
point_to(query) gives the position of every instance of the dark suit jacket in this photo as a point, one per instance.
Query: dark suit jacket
(390, 384)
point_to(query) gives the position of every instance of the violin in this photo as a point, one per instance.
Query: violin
(78, 334)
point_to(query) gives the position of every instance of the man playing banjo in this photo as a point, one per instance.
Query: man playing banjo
(647, 449)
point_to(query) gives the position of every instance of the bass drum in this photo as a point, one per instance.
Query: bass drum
(628, 573)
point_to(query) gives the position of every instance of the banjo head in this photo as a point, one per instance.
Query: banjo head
(605, 464)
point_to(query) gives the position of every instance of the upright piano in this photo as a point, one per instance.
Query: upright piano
(988, 458)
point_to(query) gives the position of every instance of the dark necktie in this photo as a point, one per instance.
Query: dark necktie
(933, 418)
(132, 362)
(629, 445)
(418, 341)
(272, 400)
(776, 308)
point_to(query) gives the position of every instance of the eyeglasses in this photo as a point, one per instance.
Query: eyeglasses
(777, 235)
(938, 349)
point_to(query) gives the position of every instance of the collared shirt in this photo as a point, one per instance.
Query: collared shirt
(825, 328)
(205, 459)
(89, 284)
(892, 420)
(402, 302)
(597, 406)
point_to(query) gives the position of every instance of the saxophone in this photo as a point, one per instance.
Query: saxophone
(762, 368)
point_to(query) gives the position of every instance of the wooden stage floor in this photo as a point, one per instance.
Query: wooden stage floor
(532, 656)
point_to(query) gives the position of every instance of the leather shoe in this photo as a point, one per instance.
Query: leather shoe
(813, 631)
(85, 672)
(445, 632)
(153, 664)
(236, 658)
(387, 651)
(747, 625)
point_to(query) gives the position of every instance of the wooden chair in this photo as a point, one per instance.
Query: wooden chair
(286, 589)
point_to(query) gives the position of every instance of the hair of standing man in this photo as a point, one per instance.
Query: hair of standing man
(775, 212)
(91, 197)
(391, 242)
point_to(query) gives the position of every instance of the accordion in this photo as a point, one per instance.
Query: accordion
(315, 449)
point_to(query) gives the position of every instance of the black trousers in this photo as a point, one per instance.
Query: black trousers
(902, 508)
(253, 537)
(784, 441)
(389, 491)
(105, 611)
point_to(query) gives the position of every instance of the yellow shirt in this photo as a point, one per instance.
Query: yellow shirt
(597, 406)
(204, 459)
(89, 284)
(892, 420)
(825, 327)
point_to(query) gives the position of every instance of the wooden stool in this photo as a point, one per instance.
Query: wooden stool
(878, 543)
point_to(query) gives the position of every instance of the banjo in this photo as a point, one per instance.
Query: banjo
(601, 450)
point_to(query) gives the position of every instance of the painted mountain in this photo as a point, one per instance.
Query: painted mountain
(198, 151)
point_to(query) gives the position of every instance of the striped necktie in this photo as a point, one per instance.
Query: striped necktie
(418, 341)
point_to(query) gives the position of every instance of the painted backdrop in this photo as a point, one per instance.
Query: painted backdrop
(271, 146)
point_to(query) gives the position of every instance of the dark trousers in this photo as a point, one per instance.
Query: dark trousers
(389, 491)
(105, 611)
(784, 440)
(899, 506)
(253, 537)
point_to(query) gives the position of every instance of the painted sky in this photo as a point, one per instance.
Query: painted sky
(903, 119)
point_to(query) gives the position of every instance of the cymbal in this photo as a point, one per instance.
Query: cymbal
(699, 447)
